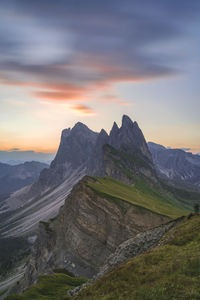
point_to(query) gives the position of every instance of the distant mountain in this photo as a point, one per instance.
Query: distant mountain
(13, 178)
(17, 157)
(177, 166)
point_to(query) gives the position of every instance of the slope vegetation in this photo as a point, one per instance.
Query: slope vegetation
(171, 271)
(53, 286)
(140, 194)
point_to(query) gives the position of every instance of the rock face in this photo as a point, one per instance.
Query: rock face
(136, 245)
(179, 167)
(131, 248)
(129, 138)
(76, 147)
(86, 231)
(123, 154)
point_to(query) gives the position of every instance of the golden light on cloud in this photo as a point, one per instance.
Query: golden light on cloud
(83, 109)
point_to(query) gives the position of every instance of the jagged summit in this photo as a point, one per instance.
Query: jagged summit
(103, 132)
(126, 120)
(81, 127)
(114, 128)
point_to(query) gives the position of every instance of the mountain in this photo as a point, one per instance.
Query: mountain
(123, 154)
(42, 200)
(177, 166)
(88, 228)
(120, 197)
(15, 177)
(81, 152)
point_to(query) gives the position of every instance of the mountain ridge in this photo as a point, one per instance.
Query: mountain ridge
(178, 167)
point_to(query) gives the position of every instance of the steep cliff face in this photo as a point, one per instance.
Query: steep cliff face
(87, 230)
(76, 147)
(129, 249)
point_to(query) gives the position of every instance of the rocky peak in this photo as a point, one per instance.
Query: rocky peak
(114, 129)
(95, 162)
(65, 133)
(126, 121)
(129, 137)
(76, 146)
(80, 127)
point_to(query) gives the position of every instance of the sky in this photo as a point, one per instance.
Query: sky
(92, 61)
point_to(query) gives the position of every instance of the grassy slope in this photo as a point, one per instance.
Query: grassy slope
(141, 195)
(50, 287)
(168, 272)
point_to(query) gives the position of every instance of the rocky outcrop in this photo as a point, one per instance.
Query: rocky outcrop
(86, 231)
(137, 245)
(129, 138)
(123, 154)
(131, 248)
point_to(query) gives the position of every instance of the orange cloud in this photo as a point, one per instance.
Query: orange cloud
(58, 95)
(83, 109)
(115, 99)
(48, 86)
(53, 91)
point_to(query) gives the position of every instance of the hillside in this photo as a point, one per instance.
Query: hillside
(170, 271)
(139, 194)
(50, 287)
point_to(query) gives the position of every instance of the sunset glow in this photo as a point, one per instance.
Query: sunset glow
(93, 61)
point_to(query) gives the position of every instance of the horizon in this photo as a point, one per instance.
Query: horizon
(35, 152)
(93, 62)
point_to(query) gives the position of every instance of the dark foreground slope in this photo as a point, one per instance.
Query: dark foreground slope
(170, 271)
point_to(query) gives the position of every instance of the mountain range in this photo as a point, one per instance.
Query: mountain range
(100, 191)
(81, 152)
(178, 167)
(13, 178)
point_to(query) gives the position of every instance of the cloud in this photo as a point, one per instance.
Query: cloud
(70, 48)
(83, 109)
(15, 149)
(109, 98)
(57, 96)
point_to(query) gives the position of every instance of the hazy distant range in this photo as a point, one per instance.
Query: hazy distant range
(16, 157)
